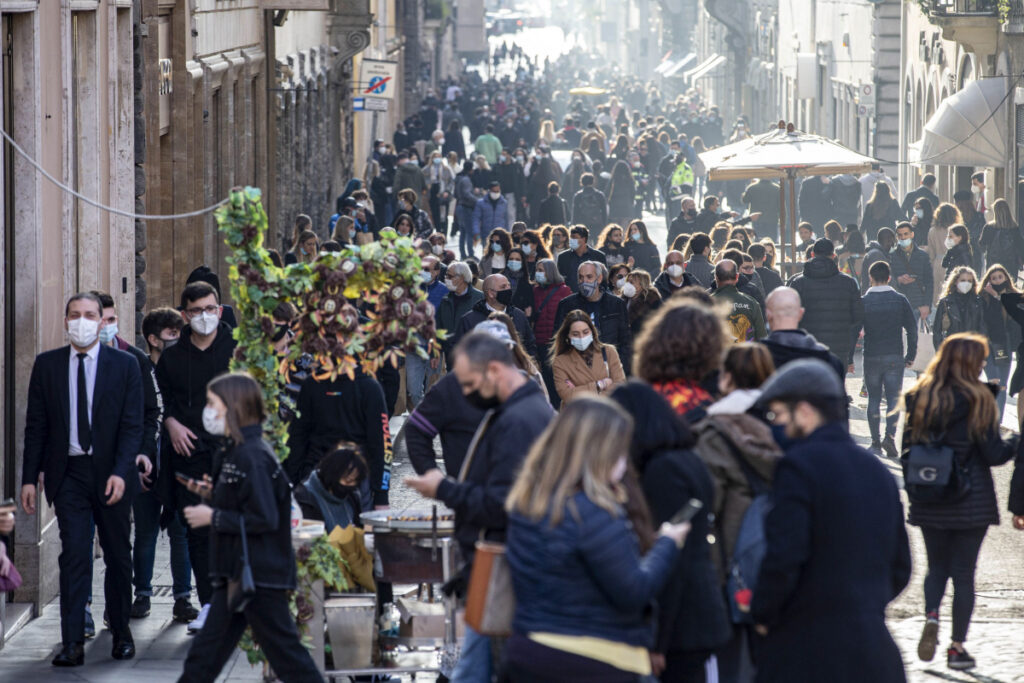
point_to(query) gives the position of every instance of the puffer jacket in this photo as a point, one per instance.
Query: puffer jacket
(979, 508)
(960, 255)
(721, 440)
(832, 305)
(488, 215)
(584, 576)
(957, 313)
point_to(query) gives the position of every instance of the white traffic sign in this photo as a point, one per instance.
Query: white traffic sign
(377, 79)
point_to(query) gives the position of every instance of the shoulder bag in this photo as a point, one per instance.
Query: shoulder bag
(243, 589)
(490, 602)
(933, 474)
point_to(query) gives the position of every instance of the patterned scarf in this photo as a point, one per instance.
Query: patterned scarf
(683, 395)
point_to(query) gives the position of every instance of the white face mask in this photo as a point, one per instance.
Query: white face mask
(919, 213)
(628, 290)
(205, 323)
(964, 286)
(950, 243)
(620, 283)
(450, 285)
(619, 469)
(83, 332)
(582, 343)
(675, 270)
(438, 249)
(975, 190)
(494, 195)
(213, 423)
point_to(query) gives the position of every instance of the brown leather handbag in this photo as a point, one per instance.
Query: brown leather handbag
(490, 602)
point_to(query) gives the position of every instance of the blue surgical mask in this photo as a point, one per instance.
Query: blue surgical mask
(437, 161)
(541, 278)
(107, 333)
(495, 247)
(582, 343)
(574, 243)
(919, 213)
(636, 237)
(515, 266)
(527, 249)
(905, 243)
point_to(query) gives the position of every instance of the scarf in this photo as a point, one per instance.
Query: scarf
(683, 395)
(336, 511)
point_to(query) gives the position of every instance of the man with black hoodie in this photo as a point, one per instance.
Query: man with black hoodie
(498, 299)
(685, 223)
(832, 303)
(203, 352)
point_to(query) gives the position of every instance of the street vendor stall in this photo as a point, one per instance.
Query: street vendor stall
(783, 154)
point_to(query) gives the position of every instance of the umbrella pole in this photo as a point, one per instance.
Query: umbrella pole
(782, 223)
(792, 217)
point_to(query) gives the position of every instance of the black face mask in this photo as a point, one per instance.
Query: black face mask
(282, 330)
(341, 491)
(504, 297)
(479, 402)
(1000, 287)
(691, 213)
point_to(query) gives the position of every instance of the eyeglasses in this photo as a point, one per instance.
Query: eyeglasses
(212, 308)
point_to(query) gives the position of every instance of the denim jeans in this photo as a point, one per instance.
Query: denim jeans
(417, 374)
(146, 510)
(883, 373)
(474, 665)
(465, 216)
(999, 370)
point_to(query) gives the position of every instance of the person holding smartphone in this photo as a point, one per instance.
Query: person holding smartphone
(248, 494)
(569, 535)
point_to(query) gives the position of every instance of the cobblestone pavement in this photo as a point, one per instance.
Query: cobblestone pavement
(995, 639)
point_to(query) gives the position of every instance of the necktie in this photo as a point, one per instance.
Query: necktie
(84, 431)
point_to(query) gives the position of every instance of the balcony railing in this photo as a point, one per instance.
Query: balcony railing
(954, 8)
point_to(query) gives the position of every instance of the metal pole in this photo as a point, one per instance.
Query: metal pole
(782, 223)
(792, 215)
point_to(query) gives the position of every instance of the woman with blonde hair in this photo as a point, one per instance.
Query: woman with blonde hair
(580, 363)
(950, 407)
(959, 309)
(304, 249)
(643, 301)
(547, 131)
(569, 536)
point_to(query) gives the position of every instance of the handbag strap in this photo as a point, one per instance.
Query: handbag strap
(485, 423)
(245, 542)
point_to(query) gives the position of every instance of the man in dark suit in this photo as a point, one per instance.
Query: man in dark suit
(88, 466)
(926, 190)
(836, 550)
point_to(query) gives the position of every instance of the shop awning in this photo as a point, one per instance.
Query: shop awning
(678, 66)
(705, 68)
(968, 128)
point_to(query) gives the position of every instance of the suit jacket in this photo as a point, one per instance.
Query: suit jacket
(117, 408)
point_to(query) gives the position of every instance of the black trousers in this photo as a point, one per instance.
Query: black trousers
(952, 554)
(199, 556)
(79, 507)
(272, 627)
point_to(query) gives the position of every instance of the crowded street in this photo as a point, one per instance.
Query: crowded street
(627, 341)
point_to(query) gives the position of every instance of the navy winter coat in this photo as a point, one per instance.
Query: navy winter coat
(837, 554)
(584, 576)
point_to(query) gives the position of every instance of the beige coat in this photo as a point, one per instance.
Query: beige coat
(936, 249)
(570, 368)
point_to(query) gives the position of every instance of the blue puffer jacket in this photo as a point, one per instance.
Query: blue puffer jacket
(488, 215)
(584, 576)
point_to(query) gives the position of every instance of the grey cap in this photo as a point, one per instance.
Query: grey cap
(802, 380)
(496, 329)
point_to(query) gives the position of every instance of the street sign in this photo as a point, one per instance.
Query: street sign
(866, 94)
(375, 104)
(377, 78)
(358, 104)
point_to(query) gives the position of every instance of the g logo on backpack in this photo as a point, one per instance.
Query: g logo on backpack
(927, 473)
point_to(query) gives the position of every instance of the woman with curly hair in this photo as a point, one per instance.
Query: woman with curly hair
(610, 244)
(960, 309)
(678, 348)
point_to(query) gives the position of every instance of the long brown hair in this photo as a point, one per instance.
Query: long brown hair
(560, 341)
(522, 360)
(1003, 215)
(1010, 287)
(244, 401)
(955, 367)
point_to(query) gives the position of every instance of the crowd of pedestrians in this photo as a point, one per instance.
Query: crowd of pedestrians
(633, 421)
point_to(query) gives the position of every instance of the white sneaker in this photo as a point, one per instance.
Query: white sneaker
(200, 621)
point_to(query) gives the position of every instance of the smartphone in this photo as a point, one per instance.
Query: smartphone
(688, 511)
(184, 478)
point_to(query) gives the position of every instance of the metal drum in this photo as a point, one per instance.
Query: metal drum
(408, 543)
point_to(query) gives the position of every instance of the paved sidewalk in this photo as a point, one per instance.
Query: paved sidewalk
(161, 644)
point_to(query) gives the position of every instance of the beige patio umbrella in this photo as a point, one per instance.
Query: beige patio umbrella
(783, 154)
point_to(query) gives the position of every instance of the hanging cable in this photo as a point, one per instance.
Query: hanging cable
(104, 207)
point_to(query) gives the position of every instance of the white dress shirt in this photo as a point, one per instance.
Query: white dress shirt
(92, 357)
